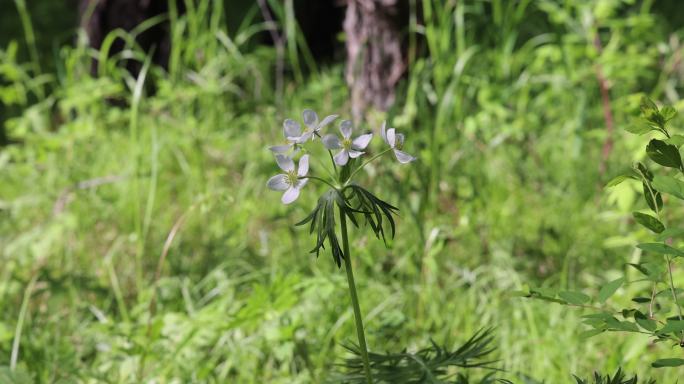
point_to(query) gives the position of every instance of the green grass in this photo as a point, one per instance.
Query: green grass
(139, 241)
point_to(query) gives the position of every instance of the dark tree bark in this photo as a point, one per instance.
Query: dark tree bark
(376, 57)
(100, 17)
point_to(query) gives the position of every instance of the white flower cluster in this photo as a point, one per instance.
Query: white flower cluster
(292, 181)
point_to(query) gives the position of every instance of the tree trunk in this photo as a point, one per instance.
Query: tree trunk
(375, 52)
(100, 17)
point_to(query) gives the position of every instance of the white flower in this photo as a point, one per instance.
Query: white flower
(349, 148)
(289, 181)
(313, 126)
(292, 131)
(396, 142)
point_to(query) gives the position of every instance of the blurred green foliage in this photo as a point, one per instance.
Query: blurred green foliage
(139, 242)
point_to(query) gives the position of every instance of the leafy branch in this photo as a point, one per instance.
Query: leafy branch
(654, 320)
(432, 365)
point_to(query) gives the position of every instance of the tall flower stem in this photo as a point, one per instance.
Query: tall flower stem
(360, 167)
(355, 299)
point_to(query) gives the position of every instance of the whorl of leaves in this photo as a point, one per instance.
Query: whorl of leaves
(322, 220)
(618, 378)
(377, 213)
(432, 365)
(373, 210)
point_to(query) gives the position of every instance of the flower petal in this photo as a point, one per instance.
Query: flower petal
(326, 121)
(399, 140)
(362, 141)
(310, 118)
(403, 157)
(342, 157)
(331, 142)
(346, 128)
(383, 131)
(303, 138)
(291, 128)
(390, 137)
(290, 195)
(354, 154)
(280, 148)
(278, 182)
(303, 168)
(285, 163)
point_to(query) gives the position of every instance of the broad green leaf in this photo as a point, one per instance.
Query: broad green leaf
(669, 185)
(662, 363)
(599, 315)
(574, 297)
(676, 140)
(670, 233)
(664, 154)
(655, 119)
(647, 105)
(644, 322)
(597, 320)
(591, 333)
(649, 222)
(626, 326)
(672, 326)
(668, 113)
(639, 129)
(609, 289)
(660, 248)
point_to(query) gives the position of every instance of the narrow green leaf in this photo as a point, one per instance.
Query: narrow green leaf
(662, 363)
(660, 248)
(591, 333)
(670, 233)
(649, 222)
(641, 169)
(574, 297)
(653, 198)
(641, 300)
(620, 178)
(651, 270)
(609, 289)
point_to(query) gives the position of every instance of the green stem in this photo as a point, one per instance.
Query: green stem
(672, 290)
(355, 299)
(366, 163)
(20, 322)
(319, 179)
(332, 160)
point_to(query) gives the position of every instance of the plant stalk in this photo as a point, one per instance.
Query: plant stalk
(355, 299)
